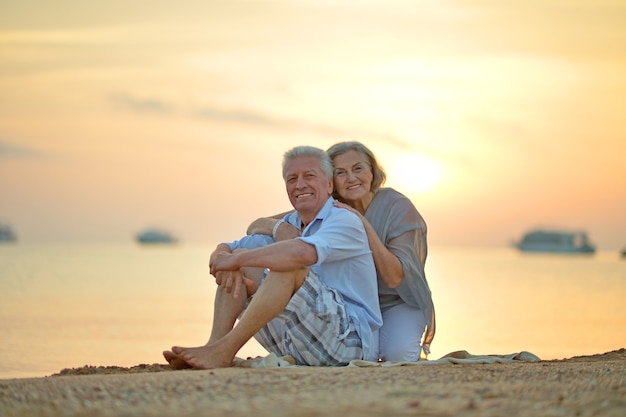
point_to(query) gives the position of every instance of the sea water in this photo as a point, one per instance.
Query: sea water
(64, 306)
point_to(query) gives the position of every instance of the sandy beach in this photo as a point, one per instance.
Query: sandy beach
(579, 386)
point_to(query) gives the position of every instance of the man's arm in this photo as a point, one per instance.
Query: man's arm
(266, 226)
(282, 256)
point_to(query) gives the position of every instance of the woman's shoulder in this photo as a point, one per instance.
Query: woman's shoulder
(393, 212)
(389, 194)
(393, 201)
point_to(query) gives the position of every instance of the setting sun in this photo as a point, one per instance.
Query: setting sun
(414, 173)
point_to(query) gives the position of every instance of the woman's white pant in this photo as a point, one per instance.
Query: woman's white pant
(400, 338)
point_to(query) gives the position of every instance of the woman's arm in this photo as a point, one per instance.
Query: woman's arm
(388, 265)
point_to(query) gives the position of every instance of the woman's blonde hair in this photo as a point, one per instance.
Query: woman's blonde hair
(343, 147)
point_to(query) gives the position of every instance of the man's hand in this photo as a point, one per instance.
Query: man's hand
(222, 261)
(221, 248)
(235, 281)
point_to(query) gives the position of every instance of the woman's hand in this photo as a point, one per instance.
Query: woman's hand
(349, 208)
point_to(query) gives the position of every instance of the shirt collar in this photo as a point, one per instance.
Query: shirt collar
(321, 215)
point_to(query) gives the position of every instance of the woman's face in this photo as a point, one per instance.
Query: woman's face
(352, 175)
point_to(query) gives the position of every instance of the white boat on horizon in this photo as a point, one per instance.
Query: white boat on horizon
(155, 236)
(7, 234)
(556, 241)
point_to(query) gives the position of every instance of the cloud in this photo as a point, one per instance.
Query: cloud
(9, 150)
(251, 117)
(141, 105)
(335, 132)
(239, 116)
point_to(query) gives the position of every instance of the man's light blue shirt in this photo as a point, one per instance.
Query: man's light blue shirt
(344, 263)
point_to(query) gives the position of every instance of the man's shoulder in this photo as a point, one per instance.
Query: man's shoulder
(341, 213)
(342, 219)
(336, 217)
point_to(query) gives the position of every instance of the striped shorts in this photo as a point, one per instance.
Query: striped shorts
(314, 328)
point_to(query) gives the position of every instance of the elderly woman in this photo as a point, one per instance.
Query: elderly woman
(397, 238)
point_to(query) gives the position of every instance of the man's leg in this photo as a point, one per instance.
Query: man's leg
(226, 310)
(269, 301)
(315, 328)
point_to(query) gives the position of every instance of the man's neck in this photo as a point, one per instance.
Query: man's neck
(308, 217)
(304, 222)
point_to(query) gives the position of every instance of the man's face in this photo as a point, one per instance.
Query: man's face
(307, 186)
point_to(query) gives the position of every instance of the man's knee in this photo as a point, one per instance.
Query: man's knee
(253, 273)
(300, 276)
(296, 277)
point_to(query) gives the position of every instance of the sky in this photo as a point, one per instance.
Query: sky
(492, 116)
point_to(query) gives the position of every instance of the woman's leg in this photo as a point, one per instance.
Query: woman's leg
(401, 334)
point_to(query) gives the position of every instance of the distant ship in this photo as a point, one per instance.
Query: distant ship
(7, 234)
(556, 241)
(155, 236)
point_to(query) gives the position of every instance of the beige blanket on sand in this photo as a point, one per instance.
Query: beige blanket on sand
(458, 357)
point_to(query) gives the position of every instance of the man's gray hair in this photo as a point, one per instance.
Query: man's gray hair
(299, 151)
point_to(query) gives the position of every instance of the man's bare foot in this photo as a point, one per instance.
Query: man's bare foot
(175, 361)
(204, 357)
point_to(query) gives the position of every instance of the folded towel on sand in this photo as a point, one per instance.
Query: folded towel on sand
(458, 357)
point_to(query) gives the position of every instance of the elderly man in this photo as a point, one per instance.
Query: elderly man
(317, 302)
